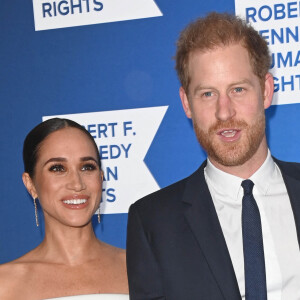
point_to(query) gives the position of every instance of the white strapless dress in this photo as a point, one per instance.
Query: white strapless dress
(95, 297)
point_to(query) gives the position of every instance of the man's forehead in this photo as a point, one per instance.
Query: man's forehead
(220, 47)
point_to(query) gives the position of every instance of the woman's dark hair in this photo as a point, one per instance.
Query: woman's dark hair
(37, 135)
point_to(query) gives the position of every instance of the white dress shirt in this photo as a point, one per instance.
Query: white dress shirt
(281, 248)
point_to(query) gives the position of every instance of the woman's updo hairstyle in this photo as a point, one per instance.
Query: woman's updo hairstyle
(37, 135)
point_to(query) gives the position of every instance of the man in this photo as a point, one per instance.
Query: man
(214, 235)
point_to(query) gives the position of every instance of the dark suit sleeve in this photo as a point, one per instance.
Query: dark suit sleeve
(143, 271)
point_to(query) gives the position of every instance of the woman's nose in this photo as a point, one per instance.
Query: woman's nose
(76, 181)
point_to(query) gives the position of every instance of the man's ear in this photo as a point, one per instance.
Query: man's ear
(185, 102)
(269, 90)
(29, 185)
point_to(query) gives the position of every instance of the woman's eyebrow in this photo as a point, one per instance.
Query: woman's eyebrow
(86, 158)
(55, 159)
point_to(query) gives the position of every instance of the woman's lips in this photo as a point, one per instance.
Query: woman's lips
(75, 201)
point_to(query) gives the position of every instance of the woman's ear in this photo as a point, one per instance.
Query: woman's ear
(29, 185)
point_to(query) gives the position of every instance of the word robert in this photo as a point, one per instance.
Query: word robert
(112, 129)
(64, 7)
(274, 12)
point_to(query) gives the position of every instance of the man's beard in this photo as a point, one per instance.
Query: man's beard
(232, 153)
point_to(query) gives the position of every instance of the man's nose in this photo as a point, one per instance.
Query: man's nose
(225, 109)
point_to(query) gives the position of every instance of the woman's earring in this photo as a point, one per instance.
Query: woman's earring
(99, 214)
(36, 212)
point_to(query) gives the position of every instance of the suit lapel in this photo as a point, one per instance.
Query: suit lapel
(202, 218)
(291, 177)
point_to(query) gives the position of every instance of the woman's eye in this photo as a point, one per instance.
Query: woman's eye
(89, 167)
(57, 168)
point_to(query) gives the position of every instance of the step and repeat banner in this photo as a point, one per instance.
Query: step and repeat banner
(108, 65)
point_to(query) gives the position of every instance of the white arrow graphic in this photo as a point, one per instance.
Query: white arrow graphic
(123, 138)
(68, 13)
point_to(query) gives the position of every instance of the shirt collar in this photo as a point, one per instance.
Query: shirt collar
(264, 175)
(230, 185)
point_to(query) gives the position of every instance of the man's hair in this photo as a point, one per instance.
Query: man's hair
(220, 29)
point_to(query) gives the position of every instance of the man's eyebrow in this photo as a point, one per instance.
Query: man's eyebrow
(243, 81)
(200, 87)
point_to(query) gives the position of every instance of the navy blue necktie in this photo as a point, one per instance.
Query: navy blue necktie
(254, 260)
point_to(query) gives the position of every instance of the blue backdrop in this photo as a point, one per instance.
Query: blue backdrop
(101, 67)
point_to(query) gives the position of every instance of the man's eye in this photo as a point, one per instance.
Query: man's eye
(89, 167)
(238, 89)
(207, 94)
(57, 168)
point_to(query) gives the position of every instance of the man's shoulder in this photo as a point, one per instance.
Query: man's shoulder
(165, 194)
(288, 168)
(170, 195)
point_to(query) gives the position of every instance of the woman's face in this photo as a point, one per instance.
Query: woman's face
(67, 179)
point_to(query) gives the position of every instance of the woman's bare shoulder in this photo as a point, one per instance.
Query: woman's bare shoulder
(13, 277)
(18, 264)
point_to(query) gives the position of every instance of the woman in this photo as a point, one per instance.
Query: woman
(62, 170)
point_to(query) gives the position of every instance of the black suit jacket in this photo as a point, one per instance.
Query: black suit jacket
(175, 246)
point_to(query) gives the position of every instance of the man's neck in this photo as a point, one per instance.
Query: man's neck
(247, 169)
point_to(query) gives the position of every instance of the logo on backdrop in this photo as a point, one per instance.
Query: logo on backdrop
(50, 14)
(123, 138)
(278, 22)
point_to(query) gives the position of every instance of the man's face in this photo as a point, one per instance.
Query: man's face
(226, 103)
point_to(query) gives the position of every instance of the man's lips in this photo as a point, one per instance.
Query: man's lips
(229, 134)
